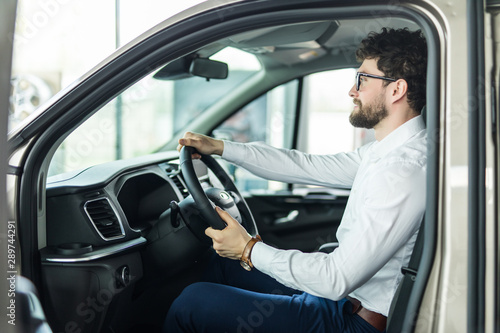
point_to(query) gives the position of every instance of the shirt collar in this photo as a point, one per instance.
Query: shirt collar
(397, 137)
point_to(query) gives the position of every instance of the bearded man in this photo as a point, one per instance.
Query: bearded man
(351, 288)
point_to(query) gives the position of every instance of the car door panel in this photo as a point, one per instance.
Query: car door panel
(292, 221)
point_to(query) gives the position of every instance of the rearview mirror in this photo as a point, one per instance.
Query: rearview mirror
(187, 67)
(209, 69)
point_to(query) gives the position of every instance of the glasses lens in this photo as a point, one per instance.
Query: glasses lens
(358, 77)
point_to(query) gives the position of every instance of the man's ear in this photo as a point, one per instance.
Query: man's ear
(399, 90)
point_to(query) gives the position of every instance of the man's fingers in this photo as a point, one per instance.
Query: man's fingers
(225, 216)
(189, 143)
(182, 142)
(230, 241)
(211, 232)
(204, 144)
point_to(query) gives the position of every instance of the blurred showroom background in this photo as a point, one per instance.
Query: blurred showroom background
(57, 41)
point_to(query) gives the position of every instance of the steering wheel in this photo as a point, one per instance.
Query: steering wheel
(205, 200)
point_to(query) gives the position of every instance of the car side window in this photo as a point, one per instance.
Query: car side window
(270, 118)
(323, 127)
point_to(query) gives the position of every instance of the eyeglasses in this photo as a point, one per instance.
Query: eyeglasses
(359, 75)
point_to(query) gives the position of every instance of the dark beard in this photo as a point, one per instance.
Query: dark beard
(368, 116)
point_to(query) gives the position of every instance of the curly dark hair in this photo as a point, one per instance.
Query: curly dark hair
(400, 54)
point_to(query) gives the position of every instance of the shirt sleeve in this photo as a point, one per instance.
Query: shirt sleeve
(292, 166)
(388, 215)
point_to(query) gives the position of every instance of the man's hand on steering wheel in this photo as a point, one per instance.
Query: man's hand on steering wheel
(203, 144)
(229, 237)
(231, 241)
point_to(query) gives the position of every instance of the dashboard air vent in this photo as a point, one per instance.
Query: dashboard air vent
(180, 185)
(104, 218)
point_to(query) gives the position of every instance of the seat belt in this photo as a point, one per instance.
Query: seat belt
(412, 268)
(400, 302)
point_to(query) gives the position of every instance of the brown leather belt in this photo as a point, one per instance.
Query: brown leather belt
(375, 319)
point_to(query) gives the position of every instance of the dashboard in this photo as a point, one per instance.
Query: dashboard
(110, 203)
(103, 233)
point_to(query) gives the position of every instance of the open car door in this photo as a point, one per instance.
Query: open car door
(7, 23)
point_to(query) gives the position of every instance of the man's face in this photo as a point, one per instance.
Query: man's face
(370, 107)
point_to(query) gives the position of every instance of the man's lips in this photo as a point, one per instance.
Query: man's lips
(357, 103)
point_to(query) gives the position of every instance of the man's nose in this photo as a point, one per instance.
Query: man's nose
(353, 92)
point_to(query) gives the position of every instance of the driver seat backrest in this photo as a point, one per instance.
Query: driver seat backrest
(396, 318)
(397, 312)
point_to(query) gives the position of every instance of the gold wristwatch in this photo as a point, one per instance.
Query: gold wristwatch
(245, 261)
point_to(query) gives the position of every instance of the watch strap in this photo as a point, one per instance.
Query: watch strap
(247, 251)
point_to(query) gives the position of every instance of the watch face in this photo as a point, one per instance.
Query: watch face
(245, 266)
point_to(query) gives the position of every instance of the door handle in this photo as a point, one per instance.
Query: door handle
(291, 217)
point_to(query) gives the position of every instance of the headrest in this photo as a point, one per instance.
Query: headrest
(423, 113)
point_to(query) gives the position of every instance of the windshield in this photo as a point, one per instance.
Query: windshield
(147, 115)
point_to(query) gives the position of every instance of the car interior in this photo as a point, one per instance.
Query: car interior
(118, 239)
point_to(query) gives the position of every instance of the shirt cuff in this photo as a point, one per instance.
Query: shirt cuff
(262, 256)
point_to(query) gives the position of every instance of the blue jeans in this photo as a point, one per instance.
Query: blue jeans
(234, 300)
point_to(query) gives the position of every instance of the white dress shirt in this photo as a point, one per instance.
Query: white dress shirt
(380, 223)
